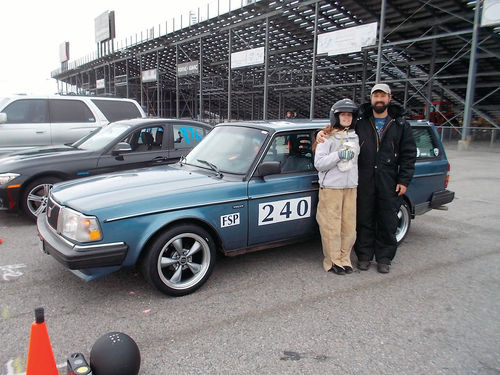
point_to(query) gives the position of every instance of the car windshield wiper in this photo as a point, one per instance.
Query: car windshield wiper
(212, 166)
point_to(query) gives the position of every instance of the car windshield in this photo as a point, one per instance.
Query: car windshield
(229, 149)
(101, 137)
(3, 101)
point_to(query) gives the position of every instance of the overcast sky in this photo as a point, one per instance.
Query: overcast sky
(32, 30)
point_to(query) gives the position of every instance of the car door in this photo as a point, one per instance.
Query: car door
(71, 119)
(27, 124)
(147, 149)
(283, 206)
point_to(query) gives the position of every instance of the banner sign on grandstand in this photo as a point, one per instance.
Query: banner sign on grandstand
(491, 13)
(121, 80)
(100, 84)
(188, 68)
(150, 75)
(347, 40)
(249, 57)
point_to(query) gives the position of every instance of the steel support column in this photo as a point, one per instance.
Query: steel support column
(471, 80)
(140, 81)
(313, 69)
(126, 72)
(177, 96)
(405, 100)
(229, 78)
(431, 79)
(251, 117)
(201, 76)
(380, 39)
(158, 84)
(363, 78)
(266, 70)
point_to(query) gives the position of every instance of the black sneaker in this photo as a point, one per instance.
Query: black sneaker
(383, 268)
(348, 269)
(337, 270)
(363, 265)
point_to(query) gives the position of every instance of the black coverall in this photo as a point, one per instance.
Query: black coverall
(383, 162)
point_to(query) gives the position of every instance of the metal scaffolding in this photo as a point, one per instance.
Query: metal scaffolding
(427, 51)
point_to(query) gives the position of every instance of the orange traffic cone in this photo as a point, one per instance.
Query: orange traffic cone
(41, 360)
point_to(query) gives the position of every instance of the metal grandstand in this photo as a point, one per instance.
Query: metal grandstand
(424, 55)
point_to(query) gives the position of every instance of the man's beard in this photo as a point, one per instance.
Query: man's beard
(379, 108)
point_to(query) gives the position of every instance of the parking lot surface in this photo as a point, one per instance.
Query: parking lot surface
(277, 311)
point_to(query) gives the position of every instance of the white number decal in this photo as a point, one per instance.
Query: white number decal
(285, 210)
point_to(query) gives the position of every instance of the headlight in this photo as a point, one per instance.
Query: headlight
(77, 226)
(7, 177)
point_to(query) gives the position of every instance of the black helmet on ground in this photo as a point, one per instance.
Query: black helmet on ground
(343, 105)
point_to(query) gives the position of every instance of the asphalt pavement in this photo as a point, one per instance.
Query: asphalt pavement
(276, 311)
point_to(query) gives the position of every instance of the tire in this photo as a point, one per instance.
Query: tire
(404, 222)
(182, 273)
(36, 195)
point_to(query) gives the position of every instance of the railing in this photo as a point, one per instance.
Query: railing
(475, 134)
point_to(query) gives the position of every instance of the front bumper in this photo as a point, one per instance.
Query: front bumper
(78, 257)
(9, 199)
(441, 197)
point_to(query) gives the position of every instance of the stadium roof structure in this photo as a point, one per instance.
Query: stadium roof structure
(424, 55)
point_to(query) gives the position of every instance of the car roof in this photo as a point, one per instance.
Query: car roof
(65, 97)
(420, 123)
(281, 125)
(156, 120)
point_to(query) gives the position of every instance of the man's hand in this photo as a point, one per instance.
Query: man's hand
(321, 137)
(400, 189)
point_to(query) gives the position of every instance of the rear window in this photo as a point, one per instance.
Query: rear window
(427, 146)
(187, 136)
(116, 110)
(69, 111)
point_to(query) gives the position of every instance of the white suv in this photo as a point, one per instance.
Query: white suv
(28, 121)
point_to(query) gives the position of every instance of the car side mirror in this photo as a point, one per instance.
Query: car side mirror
(269, 167)
(3, 118)
(121, 148)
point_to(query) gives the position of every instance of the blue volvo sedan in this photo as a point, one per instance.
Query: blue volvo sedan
(247, 186)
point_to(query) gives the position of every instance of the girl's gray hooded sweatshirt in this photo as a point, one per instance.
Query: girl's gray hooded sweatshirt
(333, 172)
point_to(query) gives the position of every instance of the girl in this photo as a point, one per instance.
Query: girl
(336, 159)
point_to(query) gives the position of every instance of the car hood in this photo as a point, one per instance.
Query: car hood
(138, 191)
(38, 155)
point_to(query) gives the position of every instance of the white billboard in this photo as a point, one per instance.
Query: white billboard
(105, 26)
(491, 13)
(347, 40)
(64, 52)
(249, 57)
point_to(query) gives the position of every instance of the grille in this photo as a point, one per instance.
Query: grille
(52, 213)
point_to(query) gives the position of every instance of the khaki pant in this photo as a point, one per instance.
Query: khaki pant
(336, 216)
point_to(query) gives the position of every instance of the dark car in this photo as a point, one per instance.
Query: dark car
(246, 187)
(27, 176)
